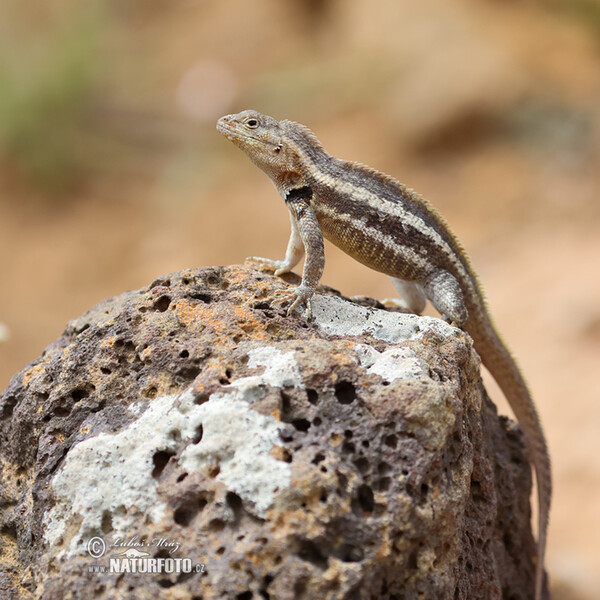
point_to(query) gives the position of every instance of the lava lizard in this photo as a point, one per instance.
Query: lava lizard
(391, 229)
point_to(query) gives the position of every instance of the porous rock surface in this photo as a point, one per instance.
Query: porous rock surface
(355, 457)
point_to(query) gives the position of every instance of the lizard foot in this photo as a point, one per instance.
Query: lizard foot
(279, 266)
(301, 295)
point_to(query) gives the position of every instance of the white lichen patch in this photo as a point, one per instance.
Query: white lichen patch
(239, 440)
(335, 316)
(109, 476)
(281, 370)
(394, 363)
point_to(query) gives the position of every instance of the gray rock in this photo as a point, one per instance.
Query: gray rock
(356, 457)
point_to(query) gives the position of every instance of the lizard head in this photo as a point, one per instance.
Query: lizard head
(261, 137)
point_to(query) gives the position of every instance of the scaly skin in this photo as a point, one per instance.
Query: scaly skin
(391, 229)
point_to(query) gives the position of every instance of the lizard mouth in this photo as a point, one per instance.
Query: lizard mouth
(225, 128)
(236, 134)
(231, 131)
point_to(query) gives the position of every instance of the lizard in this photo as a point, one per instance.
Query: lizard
(390, 228)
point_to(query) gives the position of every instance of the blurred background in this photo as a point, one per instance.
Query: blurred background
(112, 173)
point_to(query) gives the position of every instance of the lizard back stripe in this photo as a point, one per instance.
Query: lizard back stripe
(383, 198)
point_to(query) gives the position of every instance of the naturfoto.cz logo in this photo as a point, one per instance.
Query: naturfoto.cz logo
(130, 556)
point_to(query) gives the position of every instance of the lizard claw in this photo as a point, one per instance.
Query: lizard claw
(301, 295)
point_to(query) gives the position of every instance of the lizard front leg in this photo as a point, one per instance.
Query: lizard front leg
(309, 231)
(293, 254)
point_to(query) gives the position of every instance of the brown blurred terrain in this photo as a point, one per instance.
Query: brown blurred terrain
(112, 173)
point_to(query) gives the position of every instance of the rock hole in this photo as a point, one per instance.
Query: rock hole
(348, 448)
(189, 372)
(184, 354)
(105, 370)
(265, 584)
(162, 303)
(198, 434)
(317, 421)
(308, 551)
(213, 280)
(476, 491)
(391, 441)
(10, 530)
(213, 471)
(318, 458)
(79, 394)
(166, 583)
(216, 525)
(412, 561)
(286, 405)
(313, 396)
(106, 523)
(362, 464)
(160, 460)
(365, 498)
(202, 296)
(345, 392)
(235, 503)
(348, 553)
(301, 424)
(62, 411)
(175, 435)
(384, 483)
(383, 468)
(160, 283)
(181, 477)
(151, 392)
(244, 596)
(183, 515)
(201, 398)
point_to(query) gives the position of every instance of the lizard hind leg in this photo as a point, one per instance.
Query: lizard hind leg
(412, 296)
(444, 292)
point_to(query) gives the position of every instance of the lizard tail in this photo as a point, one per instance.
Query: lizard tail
(500, 363)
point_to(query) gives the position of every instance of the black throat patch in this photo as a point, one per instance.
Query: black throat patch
(301, 193)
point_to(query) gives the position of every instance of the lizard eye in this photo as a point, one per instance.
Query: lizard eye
(252, 123)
